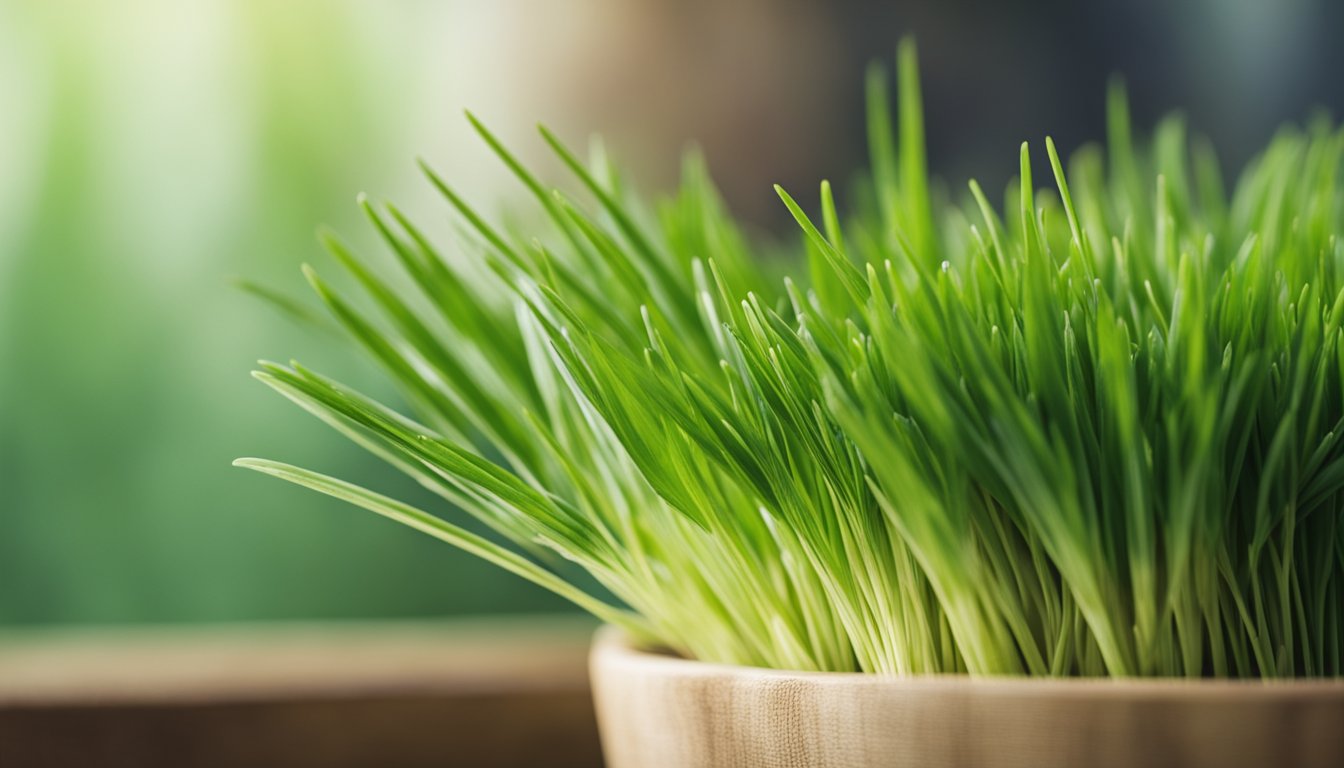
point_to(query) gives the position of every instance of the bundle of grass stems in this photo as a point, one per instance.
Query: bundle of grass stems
(1093, 430)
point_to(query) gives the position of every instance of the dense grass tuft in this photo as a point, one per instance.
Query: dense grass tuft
(1094, 431)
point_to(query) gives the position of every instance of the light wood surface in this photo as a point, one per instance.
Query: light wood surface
(488, 693)
(662, 712)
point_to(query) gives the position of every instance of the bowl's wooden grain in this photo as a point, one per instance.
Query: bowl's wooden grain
(664, 712)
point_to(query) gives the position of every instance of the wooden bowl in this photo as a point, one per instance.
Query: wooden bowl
(659, 711)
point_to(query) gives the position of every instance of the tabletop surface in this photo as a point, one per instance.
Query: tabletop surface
(485, 692)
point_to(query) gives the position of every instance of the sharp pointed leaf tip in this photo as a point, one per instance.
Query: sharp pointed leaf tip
(328, 239)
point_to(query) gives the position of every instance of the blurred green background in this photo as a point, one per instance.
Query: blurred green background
(152, 150)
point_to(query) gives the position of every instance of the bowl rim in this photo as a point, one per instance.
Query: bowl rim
(614, 650)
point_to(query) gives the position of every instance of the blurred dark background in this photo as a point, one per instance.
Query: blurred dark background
(151, 150)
